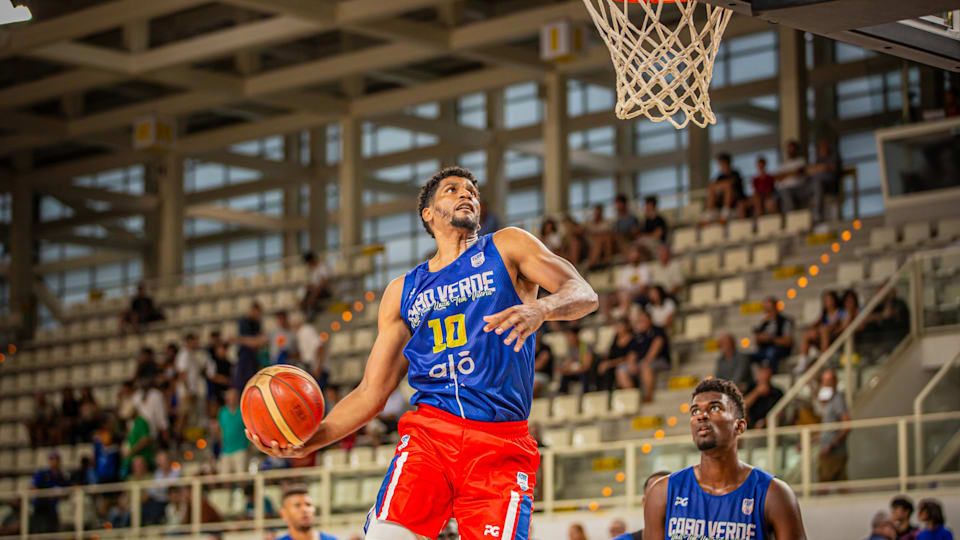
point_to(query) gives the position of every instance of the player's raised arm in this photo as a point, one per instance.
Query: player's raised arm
(783, 513)
(655, 510)
(386, 367)
(572, 296)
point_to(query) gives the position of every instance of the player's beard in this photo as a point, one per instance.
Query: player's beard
(469, 224)
(707, 444)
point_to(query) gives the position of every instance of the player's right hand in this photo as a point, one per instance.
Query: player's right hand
(274, 449)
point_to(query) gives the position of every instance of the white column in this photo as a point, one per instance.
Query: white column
(317, 219)
(170, 240)
(556, 159)
(496, 189)
(351, 182)
(698, 156)
(793, 88)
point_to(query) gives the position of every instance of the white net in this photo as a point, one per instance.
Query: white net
(664, 63)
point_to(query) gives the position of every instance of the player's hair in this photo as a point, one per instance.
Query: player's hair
(902, 501)
(309, 257)
(933, 510)
(620, 198)
(722, 386)
(654, 476)
(724, 157)
(762, 159)
(296, 489)
(425, 198)
(650, 199)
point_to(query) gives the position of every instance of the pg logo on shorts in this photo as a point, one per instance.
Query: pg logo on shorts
(523, 481)
(491, 530)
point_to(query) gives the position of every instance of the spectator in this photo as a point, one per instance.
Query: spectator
(725, 192)
(283, 341)
(542, 366)
(574, 241)
(822, 333)
(106, 451)
(69, 419)
(138, 443)
(851, 308)
(298, 511)
(760, 399)
(579, 365)
(147, 367)
(625, 225)
(89, 414)
(155, 504)
(218, 370)
(250, 339)
(832, 465)
(732, 365)
(168, 364)
(42, 427)
(550, 236)
(599, 239)
(489, 222)
(825, 176)
(881, 528)
(576, 532)
(890, 320)
(661, 307)
(180, 509)
(233, 443)
(46, 517)
(622, 355)
(650, 481)
(653, 354)
(86, 474)
(774, 336)
(119, 515)
(931, 514)
(319, 286)
(631, 286)
(764, 199)
(142, 311)
(192, 363)
(667, 272)
(151, 404)
(901, 508)
(617, 528)
(311, 352)
(791, 180)
(654, 230)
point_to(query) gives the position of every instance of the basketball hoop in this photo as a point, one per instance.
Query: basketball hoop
(663, 68)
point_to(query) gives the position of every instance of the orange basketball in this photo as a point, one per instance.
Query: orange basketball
(282, 403)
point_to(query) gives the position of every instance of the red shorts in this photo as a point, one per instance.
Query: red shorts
(481, 473)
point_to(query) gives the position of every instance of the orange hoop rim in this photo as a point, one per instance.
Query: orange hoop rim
(652, 1)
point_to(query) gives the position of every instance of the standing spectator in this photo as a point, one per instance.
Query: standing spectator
(732, 365)
(764, 198)
(881, 528)
(233, 452)
(650, 481)
(654, 230)
(142, 311)
(250, 340)
(151, 404)
(653, 353)
(620, 358)
(219, 369)
(599, 239)
(625, 225)
(168, 364)
(489, 222)
(631, 285)
(297, 509)
(550, 235)
(542, 366)
(283, 341)
(661, 307)
(822, 332)
(579, 365)
(901, 508)
(791, 179)
(319, 286)
(155, 505)
(725, 192)
(310, 348)
(90, 415)
(760, 399)
(146, 365)
(774, 336)
(69, 420)
(576, 532)
(192, 364)
(138, 443)
(42, 426)
(86, 474)
(574, 241)
(667, 272)
(46, 517)
(617, 528)
(832, 465)
(931, 514)
(824, 176)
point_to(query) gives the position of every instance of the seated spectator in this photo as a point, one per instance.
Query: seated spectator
(574, 241)
(825, 176)
(69, 419)
(823, 332)
(219, 370)
(489, 222)
(667, 272)
(832, 462)
(620, 358)
(774, 336)
(155, 504)
(654, 230)
(42, 427)
(180, 509)
(119, 515)
(661, 307)
(617, 528)
(137, 445)
(625, 225)
(550, 236)
(579, 364)
(90, 415)
(890, 320)
(167, 366)
(930, 513)
(725, 192)
(542, 366)
(283, 341)
(761, 398)
(599, 233)
(142, 311)
(233, 442)
(901, 508)
(653, 354)
(732, 365)
(46, 516)
(576, 532)
(319, 286)
(86, 474)
(250, 339)
(791, 179)
(851, 308)
(147, 367)
(881, 528)
(631, 286)
(764, 198)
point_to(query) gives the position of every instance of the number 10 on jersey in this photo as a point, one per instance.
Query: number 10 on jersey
(456, 332)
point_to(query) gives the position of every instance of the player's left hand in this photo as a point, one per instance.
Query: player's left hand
(274, 449)
(524, 319)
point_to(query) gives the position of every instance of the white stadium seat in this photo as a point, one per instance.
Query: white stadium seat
(915, 234)
(346, 492)
(684, 239)
(557, 438)
(697, 326)
(849, 273)
(706, 264)
(769, 226)
(883, 237)
(565, 408)
(766, 256)
(881, 269)
(740, 231)
(735, 260)
(712, 235)
(703, 294)
(948, 229)
(733, 290)
(798, 221)
(540, 410)
(594, 405)
(625, 401)
(363, 340)
(361, 455)
(586, 436)
(811, 310)
(258, 281)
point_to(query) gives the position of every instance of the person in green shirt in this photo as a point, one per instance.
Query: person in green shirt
(233, 454)
(138, 441)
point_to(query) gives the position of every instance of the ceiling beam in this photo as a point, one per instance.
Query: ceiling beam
(257, 163)
(118, 201)
(107, 242)
(253, 220)
(447, 130)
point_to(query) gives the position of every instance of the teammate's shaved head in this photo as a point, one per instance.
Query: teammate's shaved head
(725, 387)
(427, 192)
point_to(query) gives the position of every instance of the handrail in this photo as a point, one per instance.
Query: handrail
(918, 410)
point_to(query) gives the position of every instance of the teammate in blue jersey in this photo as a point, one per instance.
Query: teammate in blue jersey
(722, 497)
(298, 511)
(460, 326)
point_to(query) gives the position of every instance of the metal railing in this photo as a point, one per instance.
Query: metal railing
(918, 410)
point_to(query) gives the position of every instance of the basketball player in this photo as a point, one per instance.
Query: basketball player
(722, 497)
(461, 327)
(647, 484)
(298, 511)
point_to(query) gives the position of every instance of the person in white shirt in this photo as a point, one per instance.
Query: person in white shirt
(191, 363)
(319, 286)
(667, 272)
(660, 307)
(151, 405)
(631, 284)
(791, 178)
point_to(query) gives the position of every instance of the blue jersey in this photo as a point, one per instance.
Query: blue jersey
(454, 365)
(320, 536)
(694, 514)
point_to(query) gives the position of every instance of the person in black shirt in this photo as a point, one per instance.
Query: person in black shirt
(621, 356)
(654, 226)
(542, 366)
(250, 340)
(653, 353)
(774, 336)
(760, 399)
(218, 373)
(725, 191)
(142, 311)
(146, 365)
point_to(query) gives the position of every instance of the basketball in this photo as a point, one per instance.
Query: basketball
(282, 403)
